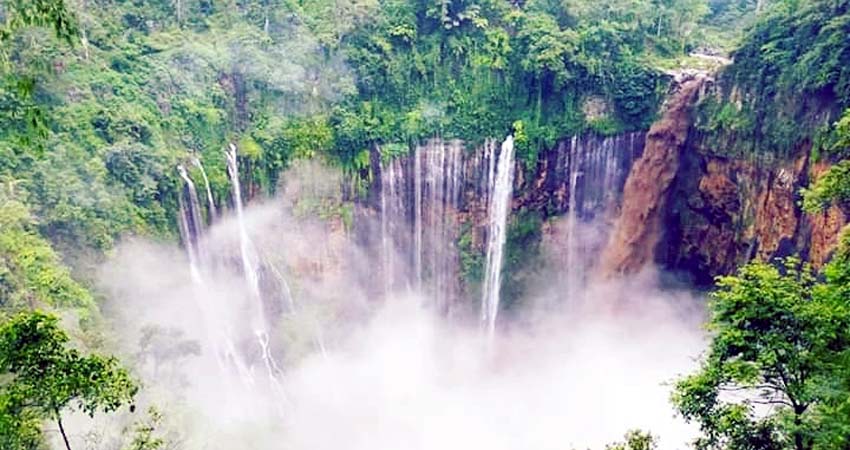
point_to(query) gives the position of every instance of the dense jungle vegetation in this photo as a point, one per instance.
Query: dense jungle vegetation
(100, 100)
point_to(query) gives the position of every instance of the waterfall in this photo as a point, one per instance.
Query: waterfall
(442, 185)
(218, 332)
(500, 201)
(249, 266)
(438, 186)
(191, 226)
(420, 198)
(592, 170)
(573, 264)
(246, 247)
(388, 212)
(210, 201)
(417, 221)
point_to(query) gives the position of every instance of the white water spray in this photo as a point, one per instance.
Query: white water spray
(417, 221)
(191, 225)
(249, 266)
(500, 202)
(210, 201)
(573, 265)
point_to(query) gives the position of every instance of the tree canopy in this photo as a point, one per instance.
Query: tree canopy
(775, 375)
(41, 377)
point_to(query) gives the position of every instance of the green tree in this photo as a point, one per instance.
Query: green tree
(146, 432)
(834, 185)
(19, 430)
(775, 366)
(635, 440)
(52, 14)
(40, 377)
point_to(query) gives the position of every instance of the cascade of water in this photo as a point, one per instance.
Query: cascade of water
(573, 263)
(246, 247)
(385, 233)
(387, 214)
(249, 265)
(425, 191)
(219, 333)
(594, 172)
(210, 202)
(446, 261)
(191, 225)
(426, 195)
(186, 236)
(417, 212)
(500, 201)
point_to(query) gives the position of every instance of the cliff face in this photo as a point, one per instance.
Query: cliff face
(689, 207)
(728, 211)
(672, 197)
(725, 211)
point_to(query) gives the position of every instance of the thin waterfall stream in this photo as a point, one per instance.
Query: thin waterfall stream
(213, 213)
(250, 262)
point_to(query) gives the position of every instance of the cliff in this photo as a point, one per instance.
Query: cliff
(726, 211)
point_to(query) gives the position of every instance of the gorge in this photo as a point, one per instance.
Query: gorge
(383, 224)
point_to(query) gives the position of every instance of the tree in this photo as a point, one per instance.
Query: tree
(775, 368)
(41, 376)
(834, 185)
(19, 430)
(37, 13)
(146, 433)
(635, 440)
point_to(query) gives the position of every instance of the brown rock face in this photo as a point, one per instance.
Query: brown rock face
(825, 226)
(727, 211)
(638, 230)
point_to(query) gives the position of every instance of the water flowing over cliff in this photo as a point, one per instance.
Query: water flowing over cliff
(500, 186)
(237, 347)
(423, 196)
(640, 225)
(441, 190)
(579, 186)
(190, 224)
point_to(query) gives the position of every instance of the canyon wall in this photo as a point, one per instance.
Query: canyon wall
(726, 209)
(675, 197)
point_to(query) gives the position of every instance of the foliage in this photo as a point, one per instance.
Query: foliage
(42, 377)
(772, 376)
(472, 260)
(635, 440)
(31, 274)
(146, 435)
(522, 252)
(792, 72)
(53, 14)
(19, 430)
(833, 187)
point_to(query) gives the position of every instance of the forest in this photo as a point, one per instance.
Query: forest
(239, 192)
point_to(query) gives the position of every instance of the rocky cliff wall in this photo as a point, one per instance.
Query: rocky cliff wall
(726, 211)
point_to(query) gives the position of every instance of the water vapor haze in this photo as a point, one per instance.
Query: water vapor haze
(363, 372)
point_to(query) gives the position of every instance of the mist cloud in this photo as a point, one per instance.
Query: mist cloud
(361, 372)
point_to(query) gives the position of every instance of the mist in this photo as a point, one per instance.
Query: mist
(359, 369)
